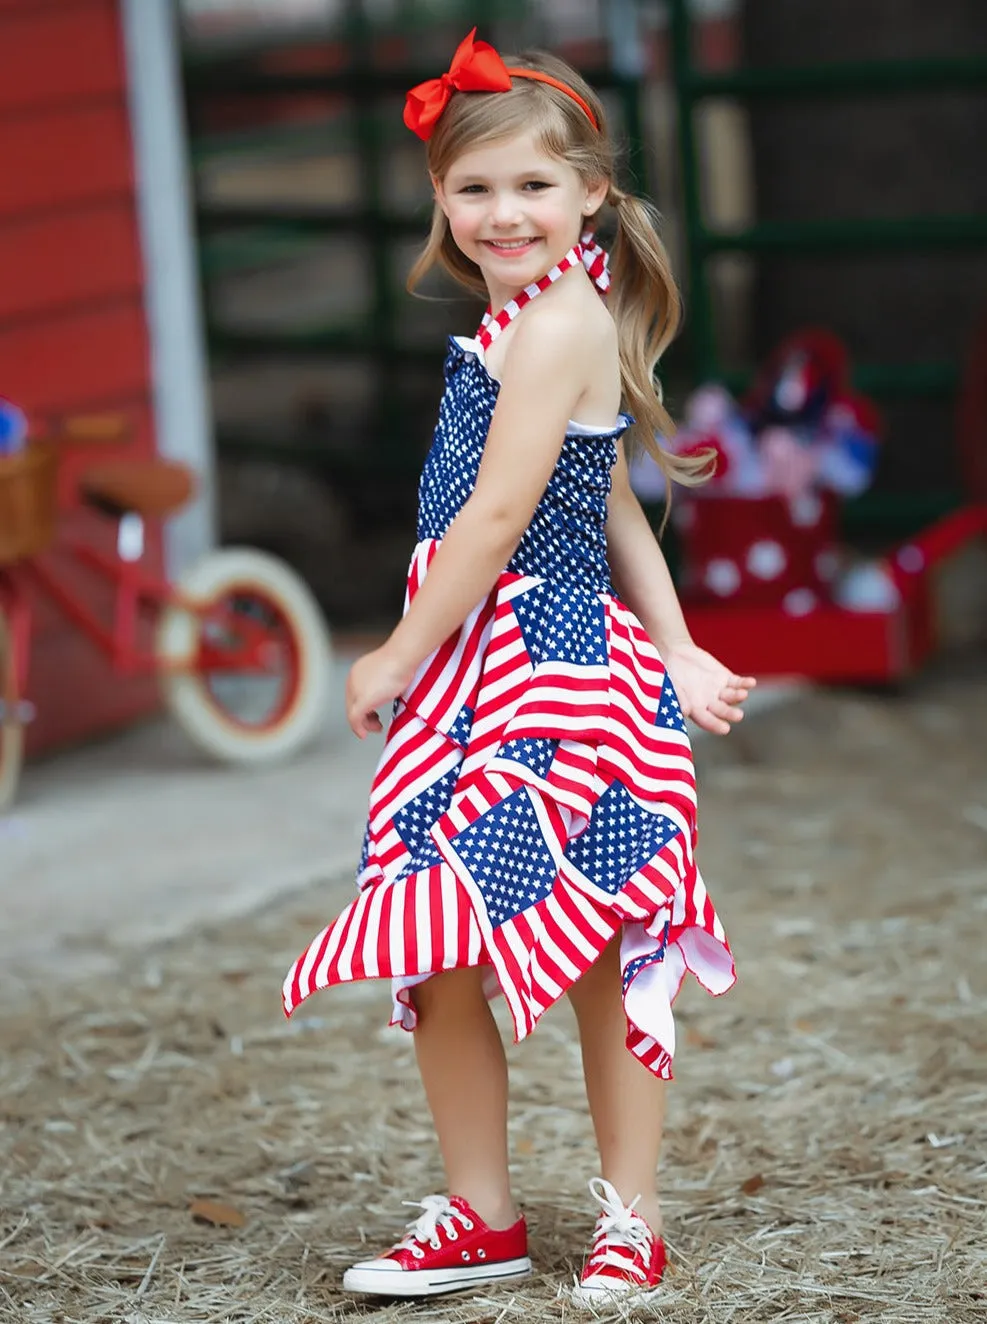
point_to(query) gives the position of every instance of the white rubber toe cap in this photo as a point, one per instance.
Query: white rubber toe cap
(384, 1277)
(600, 1291)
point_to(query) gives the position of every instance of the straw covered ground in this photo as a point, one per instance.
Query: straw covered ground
(172, 1151)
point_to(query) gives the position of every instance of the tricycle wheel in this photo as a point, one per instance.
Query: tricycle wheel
(11, 729)
(244, 657)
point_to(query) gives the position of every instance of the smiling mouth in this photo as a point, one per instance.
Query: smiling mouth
(509, 245)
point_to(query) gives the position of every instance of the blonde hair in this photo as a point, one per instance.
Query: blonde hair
(643, 297)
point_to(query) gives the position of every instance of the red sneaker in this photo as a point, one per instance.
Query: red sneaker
(448, 1248)
(627, 1258)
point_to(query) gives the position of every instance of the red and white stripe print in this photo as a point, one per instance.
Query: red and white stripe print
(587, 251)
(408, 922)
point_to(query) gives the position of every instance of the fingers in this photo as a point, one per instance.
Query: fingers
(736, 689)
(363, 724)
(710, 722)
(717, 717)
(733, 694)
(726, 712)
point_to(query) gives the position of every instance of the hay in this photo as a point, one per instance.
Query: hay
(825, 1160)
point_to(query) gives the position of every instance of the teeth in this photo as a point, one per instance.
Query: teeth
(515, 243)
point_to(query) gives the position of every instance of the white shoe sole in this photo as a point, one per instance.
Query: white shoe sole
(591, 1298)
(429, 1282)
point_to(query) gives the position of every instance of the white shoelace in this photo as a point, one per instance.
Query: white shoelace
(621, 1228)
(438, 1215)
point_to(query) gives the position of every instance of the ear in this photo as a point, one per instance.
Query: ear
(440, 194)
(596, 196)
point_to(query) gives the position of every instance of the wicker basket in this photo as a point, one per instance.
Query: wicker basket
(27, 502)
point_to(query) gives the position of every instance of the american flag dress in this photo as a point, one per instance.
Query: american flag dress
(536, 793)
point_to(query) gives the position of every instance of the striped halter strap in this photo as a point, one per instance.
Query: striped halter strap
(587, 251)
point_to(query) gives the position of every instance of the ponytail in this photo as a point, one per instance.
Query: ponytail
(646, 310)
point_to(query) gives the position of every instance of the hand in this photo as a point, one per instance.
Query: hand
(375, 679)
(708, 692)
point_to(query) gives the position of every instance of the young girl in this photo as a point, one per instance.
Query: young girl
(533, 819)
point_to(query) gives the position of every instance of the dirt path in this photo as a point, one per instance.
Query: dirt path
(827, 1139)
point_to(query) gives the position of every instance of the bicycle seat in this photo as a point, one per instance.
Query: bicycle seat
(145, 487)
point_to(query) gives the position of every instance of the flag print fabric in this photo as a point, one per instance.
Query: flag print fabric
(536, 794)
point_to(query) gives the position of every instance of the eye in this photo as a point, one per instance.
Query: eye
(472, 188)
(536, 185)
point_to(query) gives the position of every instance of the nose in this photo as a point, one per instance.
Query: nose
(506, 209)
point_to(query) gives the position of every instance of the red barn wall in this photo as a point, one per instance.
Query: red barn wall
(73, 334)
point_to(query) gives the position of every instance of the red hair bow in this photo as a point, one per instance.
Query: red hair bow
(476, 67)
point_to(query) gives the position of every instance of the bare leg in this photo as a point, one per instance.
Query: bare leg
(464, 1071)
(626, 1101)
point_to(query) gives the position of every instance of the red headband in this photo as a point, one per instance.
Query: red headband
(476, 67)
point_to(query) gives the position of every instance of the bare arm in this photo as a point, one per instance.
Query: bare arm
(543, 377)
(640, 572)
(708, 691)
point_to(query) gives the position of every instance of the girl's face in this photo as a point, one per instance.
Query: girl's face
(515, 211)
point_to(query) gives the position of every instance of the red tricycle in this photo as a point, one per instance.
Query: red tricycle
(239, 645)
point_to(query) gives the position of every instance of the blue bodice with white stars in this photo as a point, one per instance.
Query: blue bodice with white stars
(566, 539)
